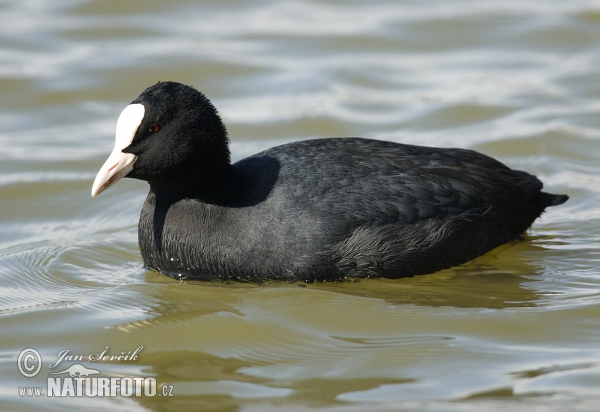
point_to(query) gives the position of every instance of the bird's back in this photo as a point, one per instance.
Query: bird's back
(331, 208)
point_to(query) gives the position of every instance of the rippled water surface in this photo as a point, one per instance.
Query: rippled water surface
(518, 80)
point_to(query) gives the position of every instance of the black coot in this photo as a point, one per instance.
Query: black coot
(311, 210)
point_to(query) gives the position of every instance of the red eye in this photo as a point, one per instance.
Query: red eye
(154, 128)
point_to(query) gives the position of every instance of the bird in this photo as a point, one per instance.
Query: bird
(324, 209)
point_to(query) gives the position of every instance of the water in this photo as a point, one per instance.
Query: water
(517, 328)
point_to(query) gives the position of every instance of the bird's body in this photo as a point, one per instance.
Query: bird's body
(318, 209)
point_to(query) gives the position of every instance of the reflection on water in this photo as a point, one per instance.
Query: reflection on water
(516, 80)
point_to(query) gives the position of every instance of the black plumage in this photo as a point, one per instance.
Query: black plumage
(318, 209)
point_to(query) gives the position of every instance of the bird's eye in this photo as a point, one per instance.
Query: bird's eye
(154, 128)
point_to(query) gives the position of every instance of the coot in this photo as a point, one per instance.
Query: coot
(320, 209)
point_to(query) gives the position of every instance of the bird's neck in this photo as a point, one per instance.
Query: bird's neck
(219, 188)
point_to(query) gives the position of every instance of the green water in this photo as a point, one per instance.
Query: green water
(515, 329)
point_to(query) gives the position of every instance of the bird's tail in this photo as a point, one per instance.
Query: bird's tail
(554, 200)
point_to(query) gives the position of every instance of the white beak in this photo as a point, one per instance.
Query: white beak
(119, 164)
